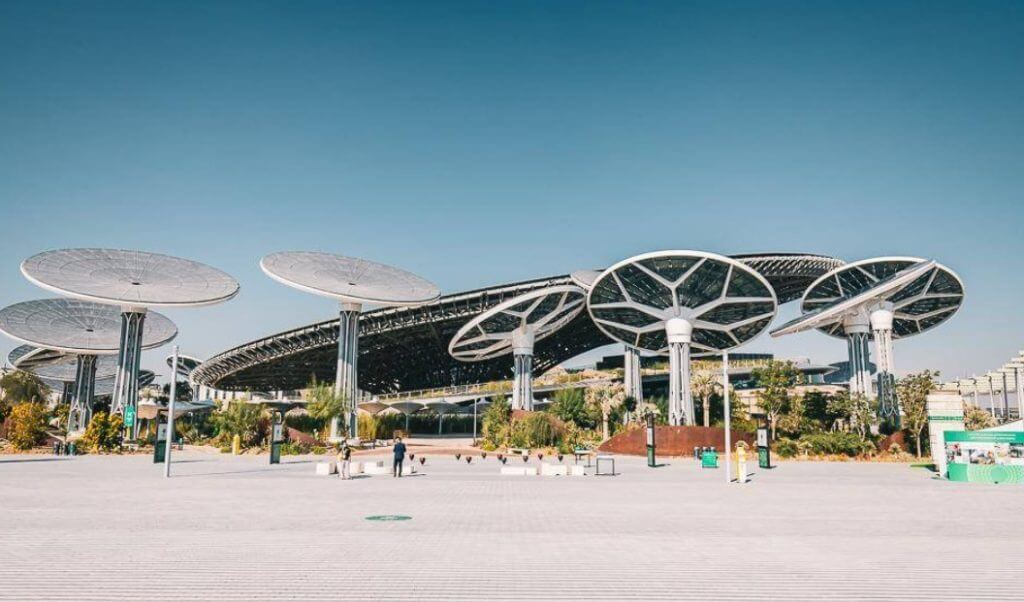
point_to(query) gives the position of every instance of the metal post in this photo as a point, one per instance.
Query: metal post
(475, 402)
(170, 414)
(728, 416)
(1020, 395)
(1006, 401)
(991, 396)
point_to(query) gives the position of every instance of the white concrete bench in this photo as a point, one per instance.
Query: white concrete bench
(376, 468)
(324, 469)
(554, 470)
(521, 471)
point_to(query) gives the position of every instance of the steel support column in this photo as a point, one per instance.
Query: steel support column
(346, 383)
(85, 389)
(129, 356)
(632, 379)
(881, 328)
(680, 398)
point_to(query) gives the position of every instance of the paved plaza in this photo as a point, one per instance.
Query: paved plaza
(234, 528)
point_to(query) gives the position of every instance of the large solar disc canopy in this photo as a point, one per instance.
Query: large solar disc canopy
(881, 298)
(69, 335)
(73, 326)
(513, 326)
(57, 365)
(353, 282)
(133, 281)
(678, 303)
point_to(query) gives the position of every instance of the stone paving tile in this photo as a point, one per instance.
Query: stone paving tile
(225, 528)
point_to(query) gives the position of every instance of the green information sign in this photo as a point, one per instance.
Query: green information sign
(709, 459)
(985, 456)
(388, 517)
(129, 416)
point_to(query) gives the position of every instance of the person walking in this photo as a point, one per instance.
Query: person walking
(345, 461)
(399, 457)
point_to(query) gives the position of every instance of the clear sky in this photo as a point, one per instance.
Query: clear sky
(484, 142)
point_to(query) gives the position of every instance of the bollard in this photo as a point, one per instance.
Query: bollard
(741, 464)
(236, 445)
(696, 452)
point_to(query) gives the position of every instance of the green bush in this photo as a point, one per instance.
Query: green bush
(103, 433)
(537, 429)
(26, 425)
(786, 448)
(570, 405)
(292, 448)
(837, 443)
(242, 419)
(496, 422)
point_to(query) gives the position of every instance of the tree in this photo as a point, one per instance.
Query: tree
(774, 381)
(20, 387)
(607, 398)
(240, 418)
(496, 421)
(851, 412)
(326, 405)
(912, 392)
(976, 418)
(570, 405)
(704, 385)
(26, 425)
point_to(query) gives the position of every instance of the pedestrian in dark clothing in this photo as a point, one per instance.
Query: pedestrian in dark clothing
(399, 457)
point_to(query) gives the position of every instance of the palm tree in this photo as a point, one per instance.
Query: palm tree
(704, 385)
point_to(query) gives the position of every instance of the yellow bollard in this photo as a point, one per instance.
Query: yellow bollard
(741, 463)
(236, 445)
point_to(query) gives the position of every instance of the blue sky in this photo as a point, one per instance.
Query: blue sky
(482, 142)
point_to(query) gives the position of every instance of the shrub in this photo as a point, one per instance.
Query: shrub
(103, 432)
(570, 405)
(496, 422)
(26, 425)
(294, 448)
(786, 448)
(537, 429)
(242, 419)
(838, 443)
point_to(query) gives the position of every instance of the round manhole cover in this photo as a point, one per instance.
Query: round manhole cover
(388, 517)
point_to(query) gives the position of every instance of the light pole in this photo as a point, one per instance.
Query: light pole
(170, 414)
(728, 417)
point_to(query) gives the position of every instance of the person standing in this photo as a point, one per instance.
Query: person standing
(399, 457)
(345, 461)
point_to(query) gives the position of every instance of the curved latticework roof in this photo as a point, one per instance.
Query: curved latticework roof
(400, 348)
(406, 348)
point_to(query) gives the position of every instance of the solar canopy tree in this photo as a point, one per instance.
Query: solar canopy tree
(631, 379)
(133, 281)
(514, 326)
(77, 374)
(83, 329)
(353, 282)
(677, 303)
(883, 299)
